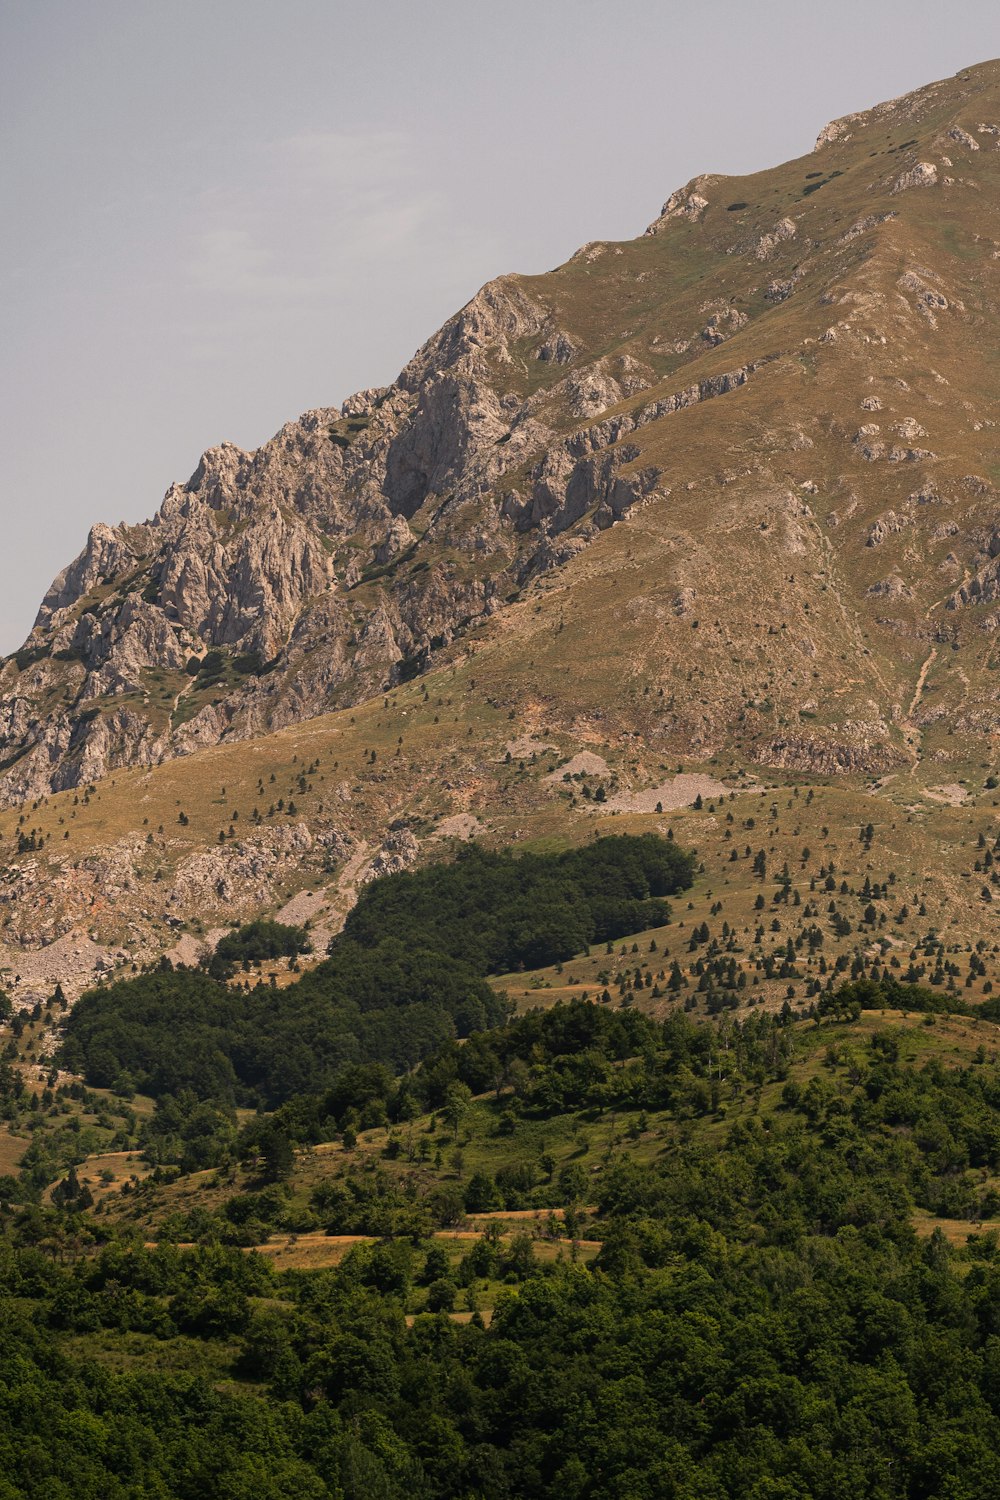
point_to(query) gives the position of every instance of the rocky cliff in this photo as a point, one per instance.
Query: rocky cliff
(322, 568)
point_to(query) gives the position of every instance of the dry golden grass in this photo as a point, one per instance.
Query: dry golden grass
(12, 1149)
(485, 1313)
(955, 1231)
(315, 1252)
(106, 1173)
(310, 1252)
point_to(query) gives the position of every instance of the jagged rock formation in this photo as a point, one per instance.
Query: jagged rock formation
(316, 571)
(726, 353)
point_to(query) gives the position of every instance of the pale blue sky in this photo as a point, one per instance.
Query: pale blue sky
(218, 213)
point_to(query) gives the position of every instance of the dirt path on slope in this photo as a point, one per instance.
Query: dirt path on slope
(911, 733)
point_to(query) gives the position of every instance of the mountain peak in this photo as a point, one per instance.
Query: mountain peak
(969, 84)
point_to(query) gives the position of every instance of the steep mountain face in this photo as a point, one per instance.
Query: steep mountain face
(786, 389)
(336, 559)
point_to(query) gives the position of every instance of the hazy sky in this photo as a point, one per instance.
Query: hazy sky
(218, 213)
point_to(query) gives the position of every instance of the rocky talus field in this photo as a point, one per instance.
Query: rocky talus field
(701, 528)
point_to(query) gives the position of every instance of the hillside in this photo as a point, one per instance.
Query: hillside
(721, 497)
(587, 1254)
(841, 306)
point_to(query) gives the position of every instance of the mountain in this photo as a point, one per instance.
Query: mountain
(725, 494)
(841, 304)
(633, 1166)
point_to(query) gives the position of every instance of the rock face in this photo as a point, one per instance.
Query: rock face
(727, 353)
(923, 174)
(275, 585)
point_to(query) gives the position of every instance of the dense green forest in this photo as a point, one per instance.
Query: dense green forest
(498, 911)
(761, 1319)
(255, 942)
(406, 974)
(167, 1032)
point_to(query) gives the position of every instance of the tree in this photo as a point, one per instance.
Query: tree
(481, 1194)
(456, 1106)
(277, 1154)
(436, 1265)
(441, 1295)
(572, 1182)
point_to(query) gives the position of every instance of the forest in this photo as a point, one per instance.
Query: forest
(761, 1319)
(499, 911)
(406, 975)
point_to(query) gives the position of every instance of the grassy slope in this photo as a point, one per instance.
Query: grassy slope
(588, 1138)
